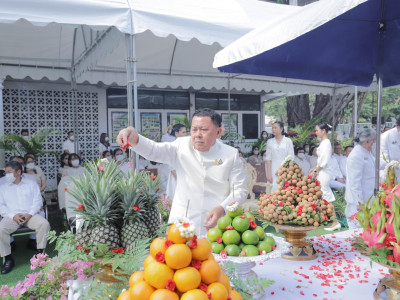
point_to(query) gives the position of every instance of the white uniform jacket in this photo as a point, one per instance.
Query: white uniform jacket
(390, 148)
(204, 179)
(360, 181)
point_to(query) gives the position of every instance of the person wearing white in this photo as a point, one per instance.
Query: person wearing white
(337, 153)
(69, 144)
(168, 136)
(360, 181)
(123, 165)
(75, 169)
(343, 161)
(20, 203)
(278, 148)
(104, 144)
(210, 174)
(338, 181)
(312, 157)
(390, 147)
(301, 160)
(324, 169)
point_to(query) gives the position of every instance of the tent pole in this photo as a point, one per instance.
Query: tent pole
(2, 152)
(378, 135)
(333, 114)
(229, 107)
(355, 119)
(73, 89)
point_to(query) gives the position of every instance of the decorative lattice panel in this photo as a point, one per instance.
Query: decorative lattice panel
(34, 109)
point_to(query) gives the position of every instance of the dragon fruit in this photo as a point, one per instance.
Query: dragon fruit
(396, 252)
(373, 238)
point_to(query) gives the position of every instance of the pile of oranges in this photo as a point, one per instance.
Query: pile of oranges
(180, 268)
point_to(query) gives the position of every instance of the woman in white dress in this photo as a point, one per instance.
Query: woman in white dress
(360, 180)
(75, 169)
(278, 148)
(324, 171)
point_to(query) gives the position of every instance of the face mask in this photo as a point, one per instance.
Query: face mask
(306, 149)
(75, 163)
(26, 137)
(255, 152)
(10, 178)
(301, 155)
(264, 136)
(72, 137)
(120, 157)
(30, 165)
(109, 158)
(106, 138)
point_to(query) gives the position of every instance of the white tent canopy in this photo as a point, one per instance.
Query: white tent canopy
(176, 41)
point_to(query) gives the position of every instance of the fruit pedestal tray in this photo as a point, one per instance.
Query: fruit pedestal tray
(300, 249)
(389, 286)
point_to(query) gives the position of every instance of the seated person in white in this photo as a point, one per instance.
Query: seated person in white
(343, 161)
(107, 154)
(338, 181)
(337, 153)
(22, 210)
(312, 156)
(301, 160)
(75, 169)
(119, 157)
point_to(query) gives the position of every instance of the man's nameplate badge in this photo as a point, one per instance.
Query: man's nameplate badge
(217, 162)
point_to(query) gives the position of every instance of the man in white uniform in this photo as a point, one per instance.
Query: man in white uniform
(69, 145)
(20, 203)
(390, 147)
(337, 153)
(360, 167)
(210, 174)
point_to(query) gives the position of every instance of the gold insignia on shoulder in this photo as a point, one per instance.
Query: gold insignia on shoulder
(217, 162)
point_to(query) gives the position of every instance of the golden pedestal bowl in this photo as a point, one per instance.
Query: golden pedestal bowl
(389, 285)
(301, 249)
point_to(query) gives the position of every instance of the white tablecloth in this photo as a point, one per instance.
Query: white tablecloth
(338, 273)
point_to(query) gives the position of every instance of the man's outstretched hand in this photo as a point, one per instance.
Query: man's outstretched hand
(213, 216)
(127, 137)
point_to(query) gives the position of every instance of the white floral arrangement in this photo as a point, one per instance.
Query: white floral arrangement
(287, 159)
(104, 161)
(185, 227)
(233, 206)
(391, 164)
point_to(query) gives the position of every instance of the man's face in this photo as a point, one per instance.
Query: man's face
(203, 133)
(70, 134)
(25, 133)
(12, 171)
(348, 150)
(338, 149)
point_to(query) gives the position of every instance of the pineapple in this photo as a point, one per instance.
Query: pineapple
(151, 195)
(132, 205)
(97, 205)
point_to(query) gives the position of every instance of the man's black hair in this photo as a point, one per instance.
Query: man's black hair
(70, 132)
(208, 112)
(24, 130)
(347, 147)
(14, 165)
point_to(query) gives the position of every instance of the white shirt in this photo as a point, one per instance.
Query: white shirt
(74, 172)
(24, 175)
(70, 146)
(304, 164)
(204, 179)
(22, 198)
(342, 166)
(312, 160)
(338, 157)
(324, 153)
(167, 138)
(390, 148)
(103, 148)
(336, 173)
(360, 182)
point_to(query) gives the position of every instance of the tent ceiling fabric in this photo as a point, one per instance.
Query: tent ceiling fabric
(176, 41)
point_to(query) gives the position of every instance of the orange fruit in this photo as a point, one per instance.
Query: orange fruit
(135, 277)
(157, 274)
(178, 256)
(164, 294)
(124, 296)
(211, 257)
(217, 291)
(203, 249)
(187, 279)
(174, 235)
(210, 271)
(225, 281)
(235, 295)
(149, 259)
(194, 295)
(157, 245)
(141, 290)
